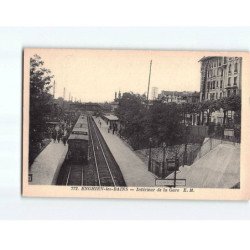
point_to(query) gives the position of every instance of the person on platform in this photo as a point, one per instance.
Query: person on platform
(54, 135)
(64, 138)
(59, 135)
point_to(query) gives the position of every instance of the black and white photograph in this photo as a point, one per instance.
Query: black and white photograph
(133, 120)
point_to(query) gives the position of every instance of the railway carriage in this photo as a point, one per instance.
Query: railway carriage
(78, 141)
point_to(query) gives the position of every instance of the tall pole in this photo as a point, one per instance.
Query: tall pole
(54, 89)
(175, 169)
(64, 91)
(163, 159)
(150, 155)
(149, 77)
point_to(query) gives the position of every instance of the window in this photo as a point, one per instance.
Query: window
(229, 81)
(221, 84)
(222, 72)
(236, 67)
(234, 92)
(216, 96)
(220, 95)
(229, 68)
(228, 92)
(217, 84)
(235, 80)
(213, 84)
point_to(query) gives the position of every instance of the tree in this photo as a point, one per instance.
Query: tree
(40, 102)
(186, 108)
(131, 112)
(165, 123)
(231, 103)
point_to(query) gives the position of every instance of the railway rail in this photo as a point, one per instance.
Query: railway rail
(105, 176)
(101, 169)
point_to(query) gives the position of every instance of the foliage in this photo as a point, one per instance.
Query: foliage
(40, 100)
(165, 122)
(159, 121)
(131, 112)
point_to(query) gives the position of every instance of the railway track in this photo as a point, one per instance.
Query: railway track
(108, 171)
(101, 169)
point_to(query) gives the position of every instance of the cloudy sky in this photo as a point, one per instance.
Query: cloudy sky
(94, 75)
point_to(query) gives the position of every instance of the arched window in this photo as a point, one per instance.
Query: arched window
(236, 67)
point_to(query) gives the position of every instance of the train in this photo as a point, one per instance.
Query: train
(78, 141)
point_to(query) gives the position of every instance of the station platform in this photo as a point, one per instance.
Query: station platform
(46, 166)
(134, 171)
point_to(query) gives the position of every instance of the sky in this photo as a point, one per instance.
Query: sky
(95, 75)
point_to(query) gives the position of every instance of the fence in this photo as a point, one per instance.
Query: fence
(219, 132)
(188, 157)
(182, 158)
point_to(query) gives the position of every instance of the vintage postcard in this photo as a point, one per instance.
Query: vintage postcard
(136, 124)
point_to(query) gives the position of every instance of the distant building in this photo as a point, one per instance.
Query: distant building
(193, 97)
(179, 97)
(220, 77)
(115, 103)
(154, 93)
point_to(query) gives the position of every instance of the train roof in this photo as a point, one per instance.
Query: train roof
(79, 134)
(82, 118)
(81, 125)
(80, 130)
(78, 137)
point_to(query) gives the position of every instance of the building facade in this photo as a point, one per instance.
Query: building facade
(220, 77)
(179, 97)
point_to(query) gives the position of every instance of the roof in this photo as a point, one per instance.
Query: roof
(111, 117)
(204, 58)
(78, 137)
(82, 118)
(80, 130)
(81, 125)
(178, 93)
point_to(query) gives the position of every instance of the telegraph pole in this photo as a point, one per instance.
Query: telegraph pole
(149, 77)
(54, 89)
(64, 91)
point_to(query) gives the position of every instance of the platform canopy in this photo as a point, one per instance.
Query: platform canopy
(111, 117)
